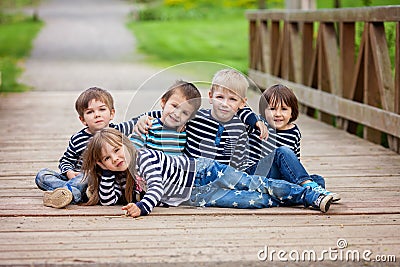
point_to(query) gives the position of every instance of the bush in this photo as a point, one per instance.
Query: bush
(16, 35)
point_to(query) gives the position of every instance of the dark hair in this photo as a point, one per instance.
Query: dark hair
(188, 90)
(82, 102)
(279, 94)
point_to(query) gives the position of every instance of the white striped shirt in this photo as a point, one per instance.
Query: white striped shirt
(71, 159)
(226, 142)
(276, 138)
(169, 179)
(223, 142)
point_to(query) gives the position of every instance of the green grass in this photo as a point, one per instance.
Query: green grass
(174, 42)
(355, 3)
(170, 35)
(16, 35)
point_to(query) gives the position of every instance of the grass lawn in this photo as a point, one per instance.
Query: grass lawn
(174, 42)
(218, 35)
(16, 35)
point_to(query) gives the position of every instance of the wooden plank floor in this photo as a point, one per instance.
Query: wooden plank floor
(35, 130)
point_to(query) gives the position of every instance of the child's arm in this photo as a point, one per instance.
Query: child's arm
(151, 171)
(126, 127)
(248, 117)
(142, 125)
(109, 189)
(153, 195)
(143, 122)
(69, 163)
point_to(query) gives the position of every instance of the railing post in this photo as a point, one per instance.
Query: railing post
(354, 89)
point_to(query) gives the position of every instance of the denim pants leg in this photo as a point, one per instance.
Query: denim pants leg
(318, 179)
(49, 180)
(283, 164)
(223, 186)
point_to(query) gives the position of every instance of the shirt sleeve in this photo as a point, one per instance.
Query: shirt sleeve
(155, 188)
(109, 190)
(125, 127)
(247, 116)
(69, 159)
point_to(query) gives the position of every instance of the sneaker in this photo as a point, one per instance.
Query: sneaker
(317, 188)
(324, 202)
(58, 198)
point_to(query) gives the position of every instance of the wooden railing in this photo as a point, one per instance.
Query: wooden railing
(339, 78)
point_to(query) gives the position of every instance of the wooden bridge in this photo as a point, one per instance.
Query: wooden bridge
(365, 223)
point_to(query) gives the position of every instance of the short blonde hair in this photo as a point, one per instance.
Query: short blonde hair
(232, 80)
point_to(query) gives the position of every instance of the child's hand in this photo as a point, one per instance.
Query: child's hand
(142, 125)
(263, 129)
(181, 129)
(71, 174)
(131, 210)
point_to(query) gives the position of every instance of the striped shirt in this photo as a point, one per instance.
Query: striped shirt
(226, 142)
(71, 159)
(223, 142)
(161, 138)
(169, 180)
(276, 138)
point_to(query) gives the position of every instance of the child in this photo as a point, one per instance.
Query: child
(179, 104)
(95, 107)
(218, 133)
(278, 107)
(111, 164)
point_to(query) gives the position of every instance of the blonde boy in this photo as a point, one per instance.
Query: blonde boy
(220, 133)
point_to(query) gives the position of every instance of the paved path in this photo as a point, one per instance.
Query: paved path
(86, 43)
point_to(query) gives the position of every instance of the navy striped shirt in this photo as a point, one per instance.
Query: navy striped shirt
(169, 179)
(71, 159)
(276, 138)
(223, 142)
(226, 142)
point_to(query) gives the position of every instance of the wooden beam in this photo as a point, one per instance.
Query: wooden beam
(373, 117)
(380, 55)
(383, 13)
(347, 56)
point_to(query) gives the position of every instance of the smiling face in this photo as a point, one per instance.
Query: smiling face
(96, 116)
(225, 103)
(176, 111)
(278, 115)
(114, 158)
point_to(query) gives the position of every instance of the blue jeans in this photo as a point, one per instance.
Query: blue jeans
(219, 185)
(49, 180)
(283, 164)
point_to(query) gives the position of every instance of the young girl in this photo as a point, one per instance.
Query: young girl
(278, 107)
(111, 164)
(95, 107)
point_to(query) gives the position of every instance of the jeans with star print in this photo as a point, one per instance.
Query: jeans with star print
(283, 164)
(219, 185)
